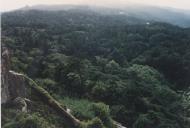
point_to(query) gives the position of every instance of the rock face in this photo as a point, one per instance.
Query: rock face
(12, 86)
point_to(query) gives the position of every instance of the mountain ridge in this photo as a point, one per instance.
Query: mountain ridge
(145, 12)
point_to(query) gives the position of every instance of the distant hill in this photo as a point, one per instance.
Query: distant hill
(146, 13)
(101, 64)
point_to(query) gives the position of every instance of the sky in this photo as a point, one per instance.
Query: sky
(7, 5)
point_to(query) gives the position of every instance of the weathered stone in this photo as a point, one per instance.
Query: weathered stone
(12, 86)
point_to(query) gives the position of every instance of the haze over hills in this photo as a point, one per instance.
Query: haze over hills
(143, 12)
(95, 67)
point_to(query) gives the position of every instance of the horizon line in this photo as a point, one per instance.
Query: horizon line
(104, 6)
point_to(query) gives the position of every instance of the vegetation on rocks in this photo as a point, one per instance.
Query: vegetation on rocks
(102, 70)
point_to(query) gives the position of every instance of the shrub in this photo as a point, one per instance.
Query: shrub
(95, 123)
(80, 108)
(24, 120)
(102, 111)
(48, 84)
(142, 122)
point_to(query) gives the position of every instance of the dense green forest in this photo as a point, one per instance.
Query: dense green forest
(104, 67)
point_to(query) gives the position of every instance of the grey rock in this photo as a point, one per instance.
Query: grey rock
(12, 85)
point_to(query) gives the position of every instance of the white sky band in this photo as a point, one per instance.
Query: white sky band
(7, 5)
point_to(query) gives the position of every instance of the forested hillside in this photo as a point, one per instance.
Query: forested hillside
(139, 11)
(104, 67)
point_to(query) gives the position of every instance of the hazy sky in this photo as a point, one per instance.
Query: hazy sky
(7, 5)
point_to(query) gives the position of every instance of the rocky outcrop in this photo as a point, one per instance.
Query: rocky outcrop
(50, 101)
(13, 90)
(12, 86)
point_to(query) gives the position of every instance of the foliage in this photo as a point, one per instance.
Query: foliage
(80, 108)
(94, 123)
(23, 120)
(102, 111)
(139, 71)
